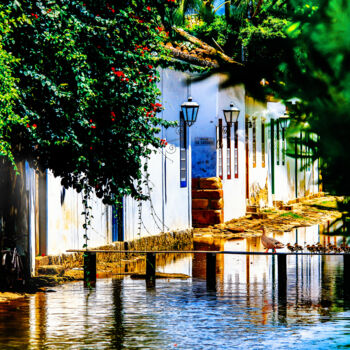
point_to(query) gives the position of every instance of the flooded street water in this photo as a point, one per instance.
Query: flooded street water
(243, 312)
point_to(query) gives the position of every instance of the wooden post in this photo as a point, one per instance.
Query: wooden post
(282, 277)
(211, 270)
(126, 247)
(150, 266)
(90, 267)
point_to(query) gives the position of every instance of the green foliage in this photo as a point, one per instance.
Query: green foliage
(292, 215)
(79, 91)
(317, 72)
(219, 30)
(8, 93)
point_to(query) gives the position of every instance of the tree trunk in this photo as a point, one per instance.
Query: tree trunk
(211, 51)
(228, 11)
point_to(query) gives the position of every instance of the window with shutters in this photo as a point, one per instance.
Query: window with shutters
(236, 149)
(254, 142)
(228, 152)
(220, 146)
(183, 152)
(263, 147)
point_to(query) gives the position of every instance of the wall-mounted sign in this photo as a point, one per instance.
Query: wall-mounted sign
(204, 141)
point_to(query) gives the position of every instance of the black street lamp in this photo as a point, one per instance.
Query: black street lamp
(284, 120)
(190, 111)
(231, 115)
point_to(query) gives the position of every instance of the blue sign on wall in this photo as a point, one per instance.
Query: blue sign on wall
(203, 157)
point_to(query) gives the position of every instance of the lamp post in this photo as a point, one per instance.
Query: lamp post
(189, 111)
(231, 114)
(284, 122)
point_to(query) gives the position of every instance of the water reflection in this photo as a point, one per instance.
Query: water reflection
(245, 310)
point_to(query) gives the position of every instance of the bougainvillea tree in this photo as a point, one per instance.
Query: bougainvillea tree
(84, 89)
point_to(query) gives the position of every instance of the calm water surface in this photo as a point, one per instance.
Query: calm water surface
(244, 311)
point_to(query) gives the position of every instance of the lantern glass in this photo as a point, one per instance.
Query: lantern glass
(190, 111)
(231, 114)
(284, 120)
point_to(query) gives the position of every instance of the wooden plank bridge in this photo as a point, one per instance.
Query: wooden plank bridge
(90, 263)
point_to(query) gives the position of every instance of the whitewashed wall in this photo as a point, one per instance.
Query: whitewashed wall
(234, 188)
(170, 206)
(259, 177)
(286, 178)
(65, 222)
(30, 187)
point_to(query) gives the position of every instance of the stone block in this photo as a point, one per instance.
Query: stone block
(200, 203)
(252, 209)
(41, 261)
(259, 216)
(207, 194)
(50, 270)
(210, 183)
(208, 217)
(195, 183)
(216, 204)
(220, 226)
(278, 204)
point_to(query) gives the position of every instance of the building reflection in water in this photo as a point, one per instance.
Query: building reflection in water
(312, 281)
(123, 313)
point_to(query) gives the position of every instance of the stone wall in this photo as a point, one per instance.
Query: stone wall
(177, 240)
(207, 201)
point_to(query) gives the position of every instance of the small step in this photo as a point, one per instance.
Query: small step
(252, 209)
(259, 215)
(278, 204)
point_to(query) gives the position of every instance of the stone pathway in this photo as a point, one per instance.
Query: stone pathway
(305, 213)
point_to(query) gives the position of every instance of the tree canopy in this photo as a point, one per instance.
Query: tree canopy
(78, 79)
(79, 89)
(301, 49)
